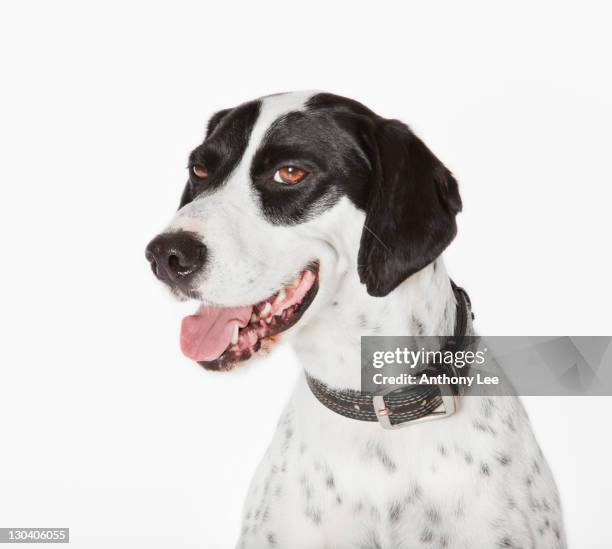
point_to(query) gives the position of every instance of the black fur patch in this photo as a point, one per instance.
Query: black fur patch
(316, 142)
(226, 140)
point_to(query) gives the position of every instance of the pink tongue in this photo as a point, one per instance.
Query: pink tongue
(205, 335)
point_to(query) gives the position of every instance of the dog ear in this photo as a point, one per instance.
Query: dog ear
(411, 208)
(214, 121)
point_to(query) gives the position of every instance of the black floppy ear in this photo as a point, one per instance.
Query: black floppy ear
(411, 209)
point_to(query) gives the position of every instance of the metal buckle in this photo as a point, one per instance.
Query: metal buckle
(450, 404)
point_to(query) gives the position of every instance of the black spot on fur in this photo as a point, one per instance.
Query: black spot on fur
(395, 512)
(534, 504)
(413, 495)
(504, 459)
(485, 470)
(507, 543)
(306, 487)
(536, 467)
(426, 536)
(314, 514)
(484, 428)
(417, 326)
(433, 515)
(487, 407)
(544, 527)
(509, 423)
(382, 456)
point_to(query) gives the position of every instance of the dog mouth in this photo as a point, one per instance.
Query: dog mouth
(219, 338)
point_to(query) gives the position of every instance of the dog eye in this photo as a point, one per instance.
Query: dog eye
(199, 171)
(289, 175)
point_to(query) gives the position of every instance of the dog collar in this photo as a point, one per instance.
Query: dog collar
(394, 408)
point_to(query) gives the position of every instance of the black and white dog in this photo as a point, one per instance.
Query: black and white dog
(308, 215)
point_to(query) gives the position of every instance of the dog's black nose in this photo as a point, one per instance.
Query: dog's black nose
(176, 257)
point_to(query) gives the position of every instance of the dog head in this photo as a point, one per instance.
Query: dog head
(285, 195)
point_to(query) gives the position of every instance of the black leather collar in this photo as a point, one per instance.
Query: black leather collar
(397, 407)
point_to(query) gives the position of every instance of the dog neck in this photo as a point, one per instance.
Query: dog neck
(329, 347)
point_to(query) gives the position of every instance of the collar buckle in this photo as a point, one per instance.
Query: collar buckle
(450, 404)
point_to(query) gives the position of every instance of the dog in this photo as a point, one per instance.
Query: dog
(310, 218)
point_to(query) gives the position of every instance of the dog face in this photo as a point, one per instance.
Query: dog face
(285, 195)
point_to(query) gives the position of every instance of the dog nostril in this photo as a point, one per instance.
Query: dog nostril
(184, 264)
(175, 264)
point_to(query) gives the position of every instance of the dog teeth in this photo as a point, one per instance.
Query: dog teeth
(253, 318)
(266, 310)
(280, 297)
(235, 335)
(269, 320)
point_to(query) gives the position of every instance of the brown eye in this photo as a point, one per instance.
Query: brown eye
(289, 175)
(199, 171)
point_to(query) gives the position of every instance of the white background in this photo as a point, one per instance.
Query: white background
(104, 427)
